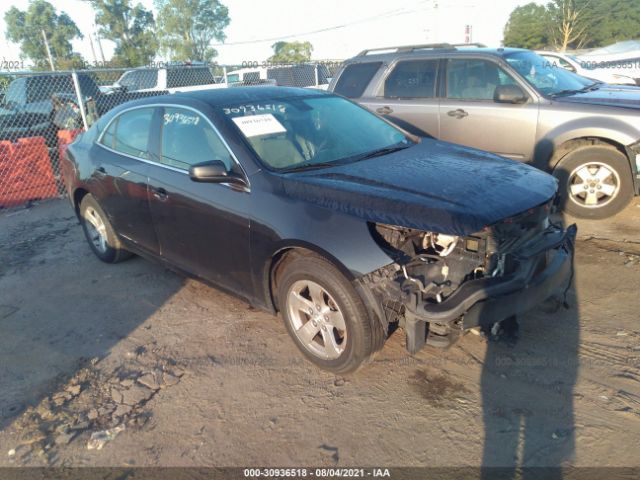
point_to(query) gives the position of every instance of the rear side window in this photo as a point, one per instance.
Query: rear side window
(140, 79)
(412, 79)
(41, 88)
(129, 133)
(186, 77)
(355, 78)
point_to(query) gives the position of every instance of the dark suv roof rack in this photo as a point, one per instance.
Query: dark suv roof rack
(425, 46)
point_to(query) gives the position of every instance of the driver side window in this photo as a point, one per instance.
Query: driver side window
(188, 139)
(471, 79)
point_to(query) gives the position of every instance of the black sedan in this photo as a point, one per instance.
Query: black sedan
(306, 204)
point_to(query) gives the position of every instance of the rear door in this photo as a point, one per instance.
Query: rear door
(469, 116)
(203, 228)
(408, 98)
(120, 176)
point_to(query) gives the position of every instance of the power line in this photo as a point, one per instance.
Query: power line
(388, 14)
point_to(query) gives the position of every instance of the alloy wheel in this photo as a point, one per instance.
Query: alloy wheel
(593, 185)
(96, 229)
(316, 319)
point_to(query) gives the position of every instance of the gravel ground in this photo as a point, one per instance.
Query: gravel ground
(131, 364)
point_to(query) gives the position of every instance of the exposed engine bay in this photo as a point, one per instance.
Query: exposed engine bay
(430, 267)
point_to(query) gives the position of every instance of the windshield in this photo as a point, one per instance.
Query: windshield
(310, 132)
(544, 76)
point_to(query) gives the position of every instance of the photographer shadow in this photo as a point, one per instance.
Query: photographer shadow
(527, 386)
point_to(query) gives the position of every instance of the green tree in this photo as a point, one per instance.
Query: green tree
(25, 27)
(187, 27)
(130, 27)
(573, 24)
(612, 21)
(528, 27)
(291, 52)
(569, 23)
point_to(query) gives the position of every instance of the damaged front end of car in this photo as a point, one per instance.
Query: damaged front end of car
(441, 285)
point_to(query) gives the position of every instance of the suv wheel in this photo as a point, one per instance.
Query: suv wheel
(99, 232)
(595, 181)
(325, 316)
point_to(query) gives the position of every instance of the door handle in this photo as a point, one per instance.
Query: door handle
(384, 110)
(160, 193)
(459, 113)
(100, 172)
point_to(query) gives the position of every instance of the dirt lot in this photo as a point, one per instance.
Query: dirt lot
(182, 374)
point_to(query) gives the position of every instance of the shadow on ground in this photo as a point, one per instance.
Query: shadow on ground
(51, 324)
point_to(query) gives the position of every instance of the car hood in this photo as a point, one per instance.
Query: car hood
(434, 186)
(609, 95)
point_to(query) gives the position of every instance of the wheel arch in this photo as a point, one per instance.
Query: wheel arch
(78, 194)
(564, 148)
(572, 144)
(283, 255)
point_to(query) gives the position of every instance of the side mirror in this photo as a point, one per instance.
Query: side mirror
(509, 94)
(214, 171)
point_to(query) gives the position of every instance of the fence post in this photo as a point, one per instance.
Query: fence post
(224, 72)
(76, 86)
(316, 75)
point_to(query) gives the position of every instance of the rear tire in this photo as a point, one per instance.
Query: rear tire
(99, 232)
(325, 316)
(595, 181)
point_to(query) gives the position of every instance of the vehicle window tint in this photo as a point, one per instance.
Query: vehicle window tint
(412, 79)
(185, 77)
(109, 134)
(131, 134)
(188, 139)
(16, 93)
(251, 77)
(41, 88)
(140, 79)
(471, 79)
(355, 78)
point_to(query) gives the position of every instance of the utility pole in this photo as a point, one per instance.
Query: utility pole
(436, 24)
(100, 48)
(46, 45)
(93, 51)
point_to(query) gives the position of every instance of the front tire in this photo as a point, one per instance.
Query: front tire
(325, 316)
(595, 181)
(99, 233)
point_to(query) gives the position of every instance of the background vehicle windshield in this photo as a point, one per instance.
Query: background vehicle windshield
(543, 75)
(286, 133)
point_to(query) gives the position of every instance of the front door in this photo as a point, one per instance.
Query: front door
(203, 228)
(470, 116)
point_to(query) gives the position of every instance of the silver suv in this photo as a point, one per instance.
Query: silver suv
(514, 103)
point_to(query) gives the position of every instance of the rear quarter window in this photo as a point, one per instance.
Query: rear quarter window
(355, 78)
(188, 77)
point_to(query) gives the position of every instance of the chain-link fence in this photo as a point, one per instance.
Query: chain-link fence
(41, 113)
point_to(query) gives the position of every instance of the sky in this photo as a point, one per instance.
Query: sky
(337, 29)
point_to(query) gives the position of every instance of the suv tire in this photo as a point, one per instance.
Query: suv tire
(595, 181)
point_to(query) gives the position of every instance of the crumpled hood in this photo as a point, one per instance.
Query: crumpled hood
(433, 186)
(609, 95)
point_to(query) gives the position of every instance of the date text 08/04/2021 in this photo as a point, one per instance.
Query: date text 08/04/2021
(316, 472)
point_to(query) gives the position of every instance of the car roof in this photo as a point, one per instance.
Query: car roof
(225, 96)
(428, 51)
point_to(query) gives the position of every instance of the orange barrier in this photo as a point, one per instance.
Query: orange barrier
(25, 171)
(65, 137)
